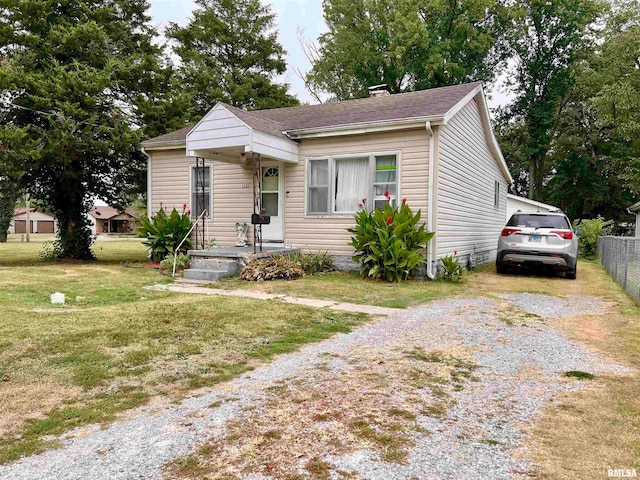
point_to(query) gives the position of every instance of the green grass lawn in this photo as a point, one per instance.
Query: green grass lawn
(114, 345)
(350, 287)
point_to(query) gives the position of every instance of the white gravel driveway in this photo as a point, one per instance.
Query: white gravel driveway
(377, 403)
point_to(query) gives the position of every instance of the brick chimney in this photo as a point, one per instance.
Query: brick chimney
(381, 90)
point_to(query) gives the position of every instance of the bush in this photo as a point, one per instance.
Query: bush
(181, 263)
(272, 268)
(451, 268)
(591, 230)
(50, 251)
(312, 263)
(163, 233)
(389, 243)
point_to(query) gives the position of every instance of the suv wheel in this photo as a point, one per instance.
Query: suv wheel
(571, 274)
(500, 268)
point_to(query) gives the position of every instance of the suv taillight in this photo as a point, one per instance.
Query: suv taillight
(565, 235)
(508, 231)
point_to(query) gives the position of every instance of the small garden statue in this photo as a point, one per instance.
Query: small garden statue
(241, 232)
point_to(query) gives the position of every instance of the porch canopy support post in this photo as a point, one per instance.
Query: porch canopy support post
(257, 198)
(200, 206)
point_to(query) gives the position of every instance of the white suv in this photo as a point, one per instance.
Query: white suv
(544, 240)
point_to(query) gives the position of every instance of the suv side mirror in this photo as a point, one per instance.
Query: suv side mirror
(578, 232)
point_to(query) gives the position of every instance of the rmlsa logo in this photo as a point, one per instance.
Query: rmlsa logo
(622, 473)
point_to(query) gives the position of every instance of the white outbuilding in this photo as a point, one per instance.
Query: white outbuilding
(515, 203)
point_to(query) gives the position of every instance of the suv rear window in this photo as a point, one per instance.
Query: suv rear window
(538, 221)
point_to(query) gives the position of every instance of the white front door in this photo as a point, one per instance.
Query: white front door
(272, 202)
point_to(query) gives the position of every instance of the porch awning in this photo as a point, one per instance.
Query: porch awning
(229, 134)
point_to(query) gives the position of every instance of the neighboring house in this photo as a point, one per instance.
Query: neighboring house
(635, 210)
(40, 222)
(515, 203)
(107, 220)
(435, 148)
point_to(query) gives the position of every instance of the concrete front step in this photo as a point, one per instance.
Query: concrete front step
(231, 267)
(191, 282)
(204, 274)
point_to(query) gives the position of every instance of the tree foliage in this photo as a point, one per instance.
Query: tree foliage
(230, 52)
(12, 140)
(545, 40)
(591, 146)
(406, 44)
(77, 76)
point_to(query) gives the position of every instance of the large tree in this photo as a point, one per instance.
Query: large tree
(406, 44)
(595, 154)
(77, 79)
(12, 142)
(615, 75)
(545, 40)
(589, 164)
(230, 52)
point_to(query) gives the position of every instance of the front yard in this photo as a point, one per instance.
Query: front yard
(349, 287)
(116, 345)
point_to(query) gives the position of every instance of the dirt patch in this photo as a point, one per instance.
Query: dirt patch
(371, 405)
(21, 348)
(19, 402)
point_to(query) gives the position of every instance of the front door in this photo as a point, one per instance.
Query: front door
(272, 202)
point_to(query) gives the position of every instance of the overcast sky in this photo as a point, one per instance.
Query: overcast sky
(305, 15)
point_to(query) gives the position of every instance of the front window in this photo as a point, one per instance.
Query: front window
(337, 185)
(385, 181)
(201, 191)
(351, 183)
(318, 186)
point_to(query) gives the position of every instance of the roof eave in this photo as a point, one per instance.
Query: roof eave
(635, 208)
(164, 145)
(363, 127)
(530, 201)
(484, 112)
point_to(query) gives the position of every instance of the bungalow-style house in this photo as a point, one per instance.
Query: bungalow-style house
(516, 203)
(312, 167)
(107, 220)
(40, 222)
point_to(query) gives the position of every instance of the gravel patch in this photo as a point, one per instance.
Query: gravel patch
(553, 307)
(520, 369)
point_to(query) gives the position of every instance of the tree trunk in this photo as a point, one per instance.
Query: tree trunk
(74, 232)
(532, 176)
(538, 192)
(536, 177)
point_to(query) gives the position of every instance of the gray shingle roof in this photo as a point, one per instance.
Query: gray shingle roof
(425, 103)
(177, 136)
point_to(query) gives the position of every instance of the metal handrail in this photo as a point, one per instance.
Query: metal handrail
(175, 253)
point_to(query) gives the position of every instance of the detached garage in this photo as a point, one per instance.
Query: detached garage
(521, 204)
(39, 222)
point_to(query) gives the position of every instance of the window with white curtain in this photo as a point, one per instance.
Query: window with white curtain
(337, 185)
(352, 183)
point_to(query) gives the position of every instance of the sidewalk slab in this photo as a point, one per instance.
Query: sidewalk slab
(310, 302)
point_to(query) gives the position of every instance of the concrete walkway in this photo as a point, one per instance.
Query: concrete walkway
(309, 302)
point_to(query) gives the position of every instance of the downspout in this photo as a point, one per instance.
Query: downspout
(149, 189)
(431, 224)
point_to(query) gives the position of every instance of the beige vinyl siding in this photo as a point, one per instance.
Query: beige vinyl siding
(219, 128)
(232, 191)
(467, 219)
(315, 233)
